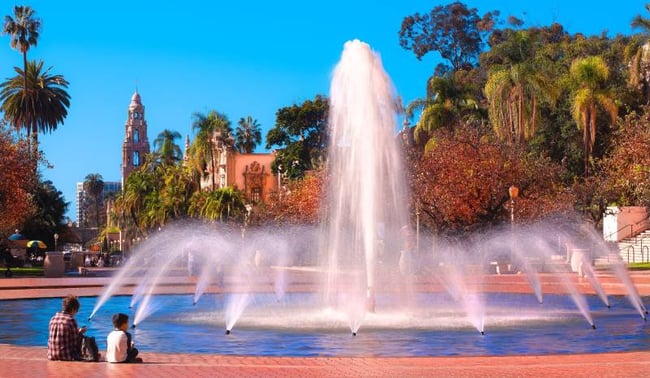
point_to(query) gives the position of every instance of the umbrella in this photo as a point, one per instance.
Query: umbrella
(39, 243)
(17, 236)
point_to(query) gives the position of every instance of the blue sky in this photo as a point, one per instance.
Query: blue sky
(237, 57)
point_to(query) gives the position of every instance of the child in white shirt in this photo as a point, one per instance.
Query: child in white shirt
(119, 345)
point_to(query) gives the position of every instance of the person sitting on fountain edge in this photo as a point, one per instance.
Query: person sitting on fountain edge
(119, 344)
(64, 340)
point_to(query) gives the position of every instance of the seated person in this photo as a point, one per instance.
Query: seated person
(119, 345)
(64, 340)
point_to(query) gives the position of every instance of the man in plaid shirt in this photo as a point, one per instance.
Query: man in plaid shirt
(64, 342)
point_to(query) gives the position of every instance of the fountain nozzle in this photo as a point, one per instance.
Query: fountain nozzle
(593, 326)
(354, 333)
(227, 332)
(90, 318)
(193, 303)
(133, 326)
(483, 333)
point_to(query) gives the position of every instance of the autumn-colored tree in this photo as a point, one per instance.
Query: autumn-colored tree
(299, 204)
(462, 182)
(16, 203)
(626, 166)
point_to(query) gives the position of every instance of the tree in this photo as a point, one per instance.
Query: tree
(16, 201)
(591, 76)
(638, 54)
(48, 214)
(300, 132)
(468, 189)
(38, 104)
(516, 87)
(247, 135)
(23, 30)
(451, 100)
(453, 30)
(222, 204)
(94, 186)
(166, 147)
(213, 132)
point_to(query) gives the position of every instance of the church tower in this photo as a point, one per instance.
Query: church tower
(136, 143)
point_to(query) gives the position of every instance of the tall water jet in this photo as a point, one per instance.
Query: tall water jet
(366, 196)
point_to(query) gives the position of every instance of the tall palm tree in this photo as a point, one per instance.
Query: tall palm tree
(514, 94)
(23, 30)
(449, 102)
(637, 54)
(40, 107)
(591, 76)
(211, 130)
(94, 186)
(247, 135)
(166, 147)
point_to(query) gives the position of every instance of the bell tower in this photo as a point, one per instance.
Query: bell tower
(136, 143)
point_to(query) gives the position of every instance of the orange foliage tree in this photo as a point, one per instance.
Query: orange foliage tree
(299, 203)
(461, 183)
(15, 182)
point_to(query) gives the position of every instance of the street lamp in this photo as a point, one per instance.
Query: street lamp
(513, 191)
(56, 238)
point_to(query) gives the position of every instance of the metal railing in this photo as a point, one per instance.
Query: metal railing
(632, 227)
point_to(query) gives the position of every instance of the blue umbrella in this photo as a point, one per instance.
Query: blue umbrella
(17, 236)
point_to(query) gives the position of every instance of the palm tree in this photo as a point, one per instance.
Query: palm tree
(449, 102)
(167, 149)
(23, 30)
(591, 75)
(638, 55)
(212, 131)
(514, 94)
(40, 107)
(247, 135)
(94, 186)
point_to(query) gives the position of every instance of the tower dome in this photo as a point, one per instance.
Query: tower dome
(135, 99)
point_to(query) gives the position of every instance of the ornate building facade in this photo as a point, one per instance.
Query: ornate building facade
(136, 141)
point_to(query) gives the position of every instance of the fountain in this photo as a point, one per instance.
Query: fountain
(358, 272)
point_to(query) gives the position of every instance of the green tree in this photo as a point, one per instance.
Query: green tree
(166, 148)
(221, 204)
(247, 135)
(37, 106)
(591, 76)
(23, 29)
(94, 186)
(454, 31)
(300, 133)
(48, 215)
(638, 54)
(213, 132)
(516, 87)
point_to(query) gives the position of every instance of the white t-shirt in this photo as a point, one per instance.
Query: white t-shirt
(116, 346)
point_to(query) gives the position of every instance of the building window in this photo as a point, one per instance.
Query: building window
(136, 158)
(256, 195)
(136, 135)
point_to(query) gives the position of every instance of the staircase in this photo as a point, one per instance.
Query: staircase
(635, 249)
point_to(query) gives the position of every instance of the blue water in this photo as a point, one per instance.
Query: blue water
(515, 325)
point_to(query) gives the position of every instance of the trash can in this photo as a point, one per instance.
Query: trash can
(54, 266)
(578, 257)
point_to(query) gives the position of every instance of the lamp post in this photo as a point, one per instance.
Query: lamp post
(280, 181)
(513, 191)
(56, 238)
(417, 227)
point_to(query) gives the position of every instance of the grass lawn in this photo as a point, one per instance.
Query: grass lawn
(639, 266)
(26, 272)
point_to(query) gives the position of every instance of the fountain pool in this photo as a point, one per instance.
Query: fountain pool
(517, 325)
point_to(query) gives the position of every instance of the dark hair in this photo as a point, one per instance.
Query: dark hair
(70, 303)
(119, 319)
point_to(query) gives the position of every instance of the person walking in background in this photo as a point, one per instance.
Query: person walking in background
(64, 340)
(119, 344)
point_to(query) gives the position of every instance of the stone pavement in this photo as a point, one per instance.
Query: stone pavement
(19, 361)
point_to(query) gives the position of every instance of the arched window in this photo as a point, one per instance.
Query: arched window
(136, 158)
(136, 136)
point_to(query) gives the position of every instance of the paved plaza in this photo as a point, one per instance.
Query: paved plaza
(19, 361)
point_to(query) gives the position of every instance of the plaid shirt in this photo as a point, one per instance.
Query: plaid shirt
(64, 342)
